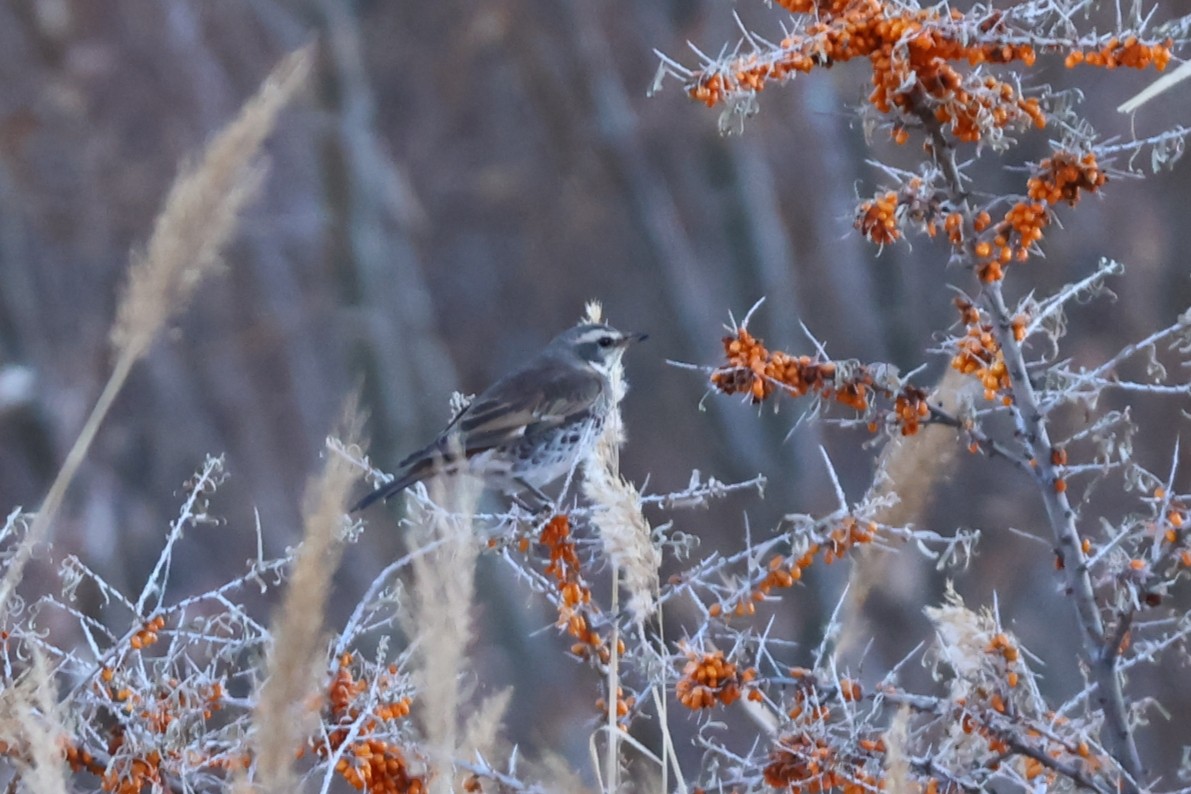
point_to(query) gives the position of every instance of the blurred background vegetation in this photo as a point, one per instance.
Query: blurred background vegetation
(460, 180)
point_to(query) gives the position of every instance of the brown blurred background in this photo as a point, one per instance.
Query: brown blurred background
(459, 181)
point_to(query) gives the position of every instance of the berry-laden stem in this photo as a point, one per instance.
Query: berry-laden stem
(1031, 425)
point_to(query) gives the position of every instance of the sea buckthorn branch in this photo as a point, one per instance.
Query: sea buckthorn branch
(924, 61)
(831, 738)
(1000, 713)
(198, 490)
(731, 586)
(709, 678)
(1176, 336)
(1034, 433)
(1072, 758)
(360, 740)
(149, 707)
(753, 370)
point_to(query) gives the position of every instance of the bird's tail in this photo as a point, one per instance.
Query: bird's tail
(385, 492)
(415, 468)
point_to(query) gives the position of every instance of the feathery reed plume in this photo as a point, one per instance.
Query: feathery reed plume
(626, 535)
(481, 736)
(897, 761)
(439, 620)
(626, 538)
(197, 221)
(283, 711)
(907, 472)
(29, 726)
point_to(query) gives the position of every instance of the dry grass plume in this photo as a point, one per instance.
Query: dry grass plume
(196, 223)
(283, 711)
(439, 621)
(29, 725)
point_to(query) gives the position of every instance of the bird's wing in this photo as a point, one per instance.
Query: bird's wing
(524, 404)
(539, 398)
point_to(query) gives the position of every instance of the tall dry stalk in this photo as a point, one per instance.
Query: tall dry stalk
(199, 217)
(283, 714)
(29, 723)
(439, 618)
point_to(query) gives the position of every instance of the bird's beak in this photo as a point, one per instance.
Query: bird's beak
(632, 338)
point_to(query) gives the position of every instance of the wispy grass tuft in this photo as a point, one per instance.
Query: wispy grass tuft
(198, 220)
(625, 533)
(29, 722)
(284, 714)
(439, 620)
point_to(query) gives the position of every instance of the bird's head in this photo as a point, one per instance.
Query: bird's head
(597, 345)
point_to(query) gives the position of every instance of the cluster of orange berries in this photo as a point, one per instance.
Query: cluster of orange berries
(1001, 645)
(1130, 52)
(1176, 522)
(1059, 179)
(709, 678)
(808, 764)
(77, 758)
(968, 112)
(1068, 752)
(157, 714)
(1012, 238)
(623, 706)
(752, 369)
(905, 48)
(782, 572)
(170, 699)
(877, 219)
(914, 48)
(910, 408)
(1064, 176)
(370, 764)
(135, 775)
(574, 594)
(1079, 752)
(148, 634)
(978, 352)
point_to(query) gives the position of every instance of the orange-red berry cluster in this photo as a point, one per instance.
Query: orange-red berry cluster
(1012, 239)
(806, 764)
(147, 635)
(782, 572)
(79, 759)
(1176, 526)
(906, 48)
(370, 763)
(978, 352)
(910, 408)
(574, 594)
(1002, 646)
(1129, 52)
(914, 53)
(709, 678)
(157, 710)
(754, 370)
(132, 776)
(1076, 752)
(877, 219)
(1063, 176)
(623, 706)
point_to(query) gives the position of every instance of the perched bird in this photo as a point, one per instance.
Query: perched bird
(531, 426)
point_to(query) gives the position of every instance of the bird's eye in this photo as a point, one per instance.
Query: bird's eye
(605, 341)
